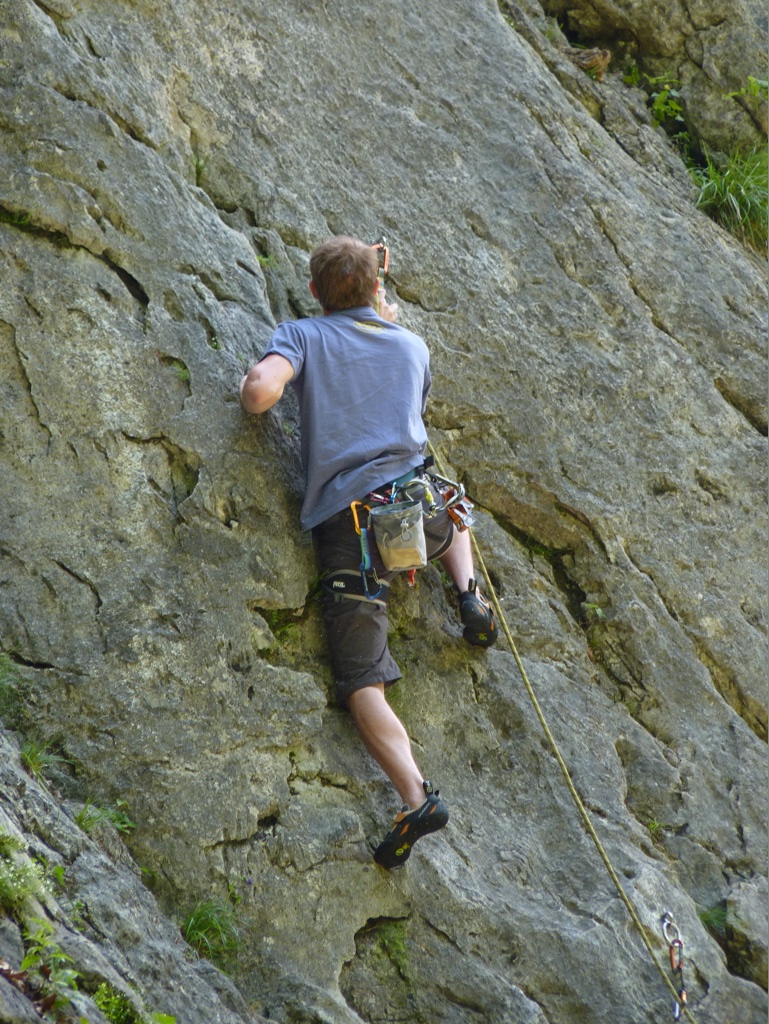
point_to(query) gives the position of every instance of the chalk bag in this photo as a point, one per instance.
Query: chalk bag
(400, 535)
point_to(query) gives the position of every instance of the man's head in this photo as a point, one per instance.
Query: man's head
(344, 273)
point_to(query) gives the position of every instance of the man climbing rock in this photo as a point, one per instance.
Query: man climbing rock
(362, 383)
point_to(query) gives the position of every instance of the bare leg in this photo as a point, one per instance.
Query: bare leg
(458, 560)
(474, 610)
(387, 741)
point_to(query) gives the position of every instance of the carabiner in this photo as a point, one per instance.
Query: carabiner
(668, 924)
(354, 509)
(383, 252)
(676, 956)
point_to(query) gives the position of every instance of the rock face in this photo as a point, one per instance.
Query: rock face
(707, 52)
(102, 916)
(599, 385)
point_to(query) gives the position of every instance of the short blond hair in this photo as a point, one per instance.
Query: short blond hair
(344, 271)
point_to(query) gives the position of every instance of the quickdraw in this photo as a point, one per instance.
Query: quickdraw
(455, 501)
(383, 252)
(366, 565)
(674, 940)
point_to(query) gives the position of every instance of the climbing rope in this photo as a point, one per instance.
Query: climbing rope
(680, 997)
(668, 926)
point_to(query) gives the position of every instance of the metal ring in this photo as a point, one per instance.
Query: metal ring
(668, 924)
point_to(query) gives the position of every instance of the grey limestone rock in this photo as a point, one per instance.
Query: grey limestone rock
(707, 52)
(598, 358)
(102, 917)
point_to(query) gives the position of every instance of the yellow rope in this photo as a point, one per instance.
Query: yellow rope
(565, 770)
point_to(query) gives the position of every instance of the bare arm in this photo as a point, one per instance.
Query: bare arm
(263, 385)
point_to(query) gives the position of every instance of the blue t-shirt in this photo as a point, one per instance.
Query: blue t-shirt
(362, 385)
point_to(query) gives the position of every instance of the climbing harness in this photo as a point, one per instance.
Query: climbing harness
(680, 997)
(674, 940)
(395, 520)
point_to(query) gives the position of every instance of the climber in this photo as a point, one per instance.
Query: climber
(362, 384)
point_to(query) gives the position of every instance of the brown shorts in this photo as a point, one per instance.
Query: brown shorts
(356, 627)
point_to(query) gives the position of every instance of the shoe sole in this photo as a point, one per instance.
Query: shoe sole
(484, 639)
(478, 619)
(395, 851)
(480, 630)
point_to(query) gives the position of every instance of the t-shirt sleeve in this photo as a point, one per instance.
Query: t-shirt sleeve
(287, 341)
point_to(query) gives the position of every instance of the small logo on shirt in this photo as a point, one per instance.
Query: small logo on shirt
(367, 326)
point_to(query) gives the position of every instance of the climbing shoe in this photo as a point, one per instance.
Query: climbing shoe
(409, 826)
(477, 617)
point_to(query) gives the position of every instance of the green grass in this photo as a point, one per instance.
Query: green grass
(91, 816)
(7, 670)
(211, 930)
(18, 219)
(735, 195)
(657, 829)
(199, 164)
(38, 758)
(714, 919)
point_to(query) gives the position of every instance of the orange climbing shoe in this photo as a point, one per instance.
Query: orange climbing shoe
(395, 848)
(477, 617)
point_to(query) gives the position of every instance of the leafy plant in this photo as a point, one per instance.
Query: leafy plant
(268, 261)
(59, 874)
(631, 75)
(757, 89)
(48, 967)
(665, 108)
(735, 195)
(91, 816)
(211, 930)
(115, 1005)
